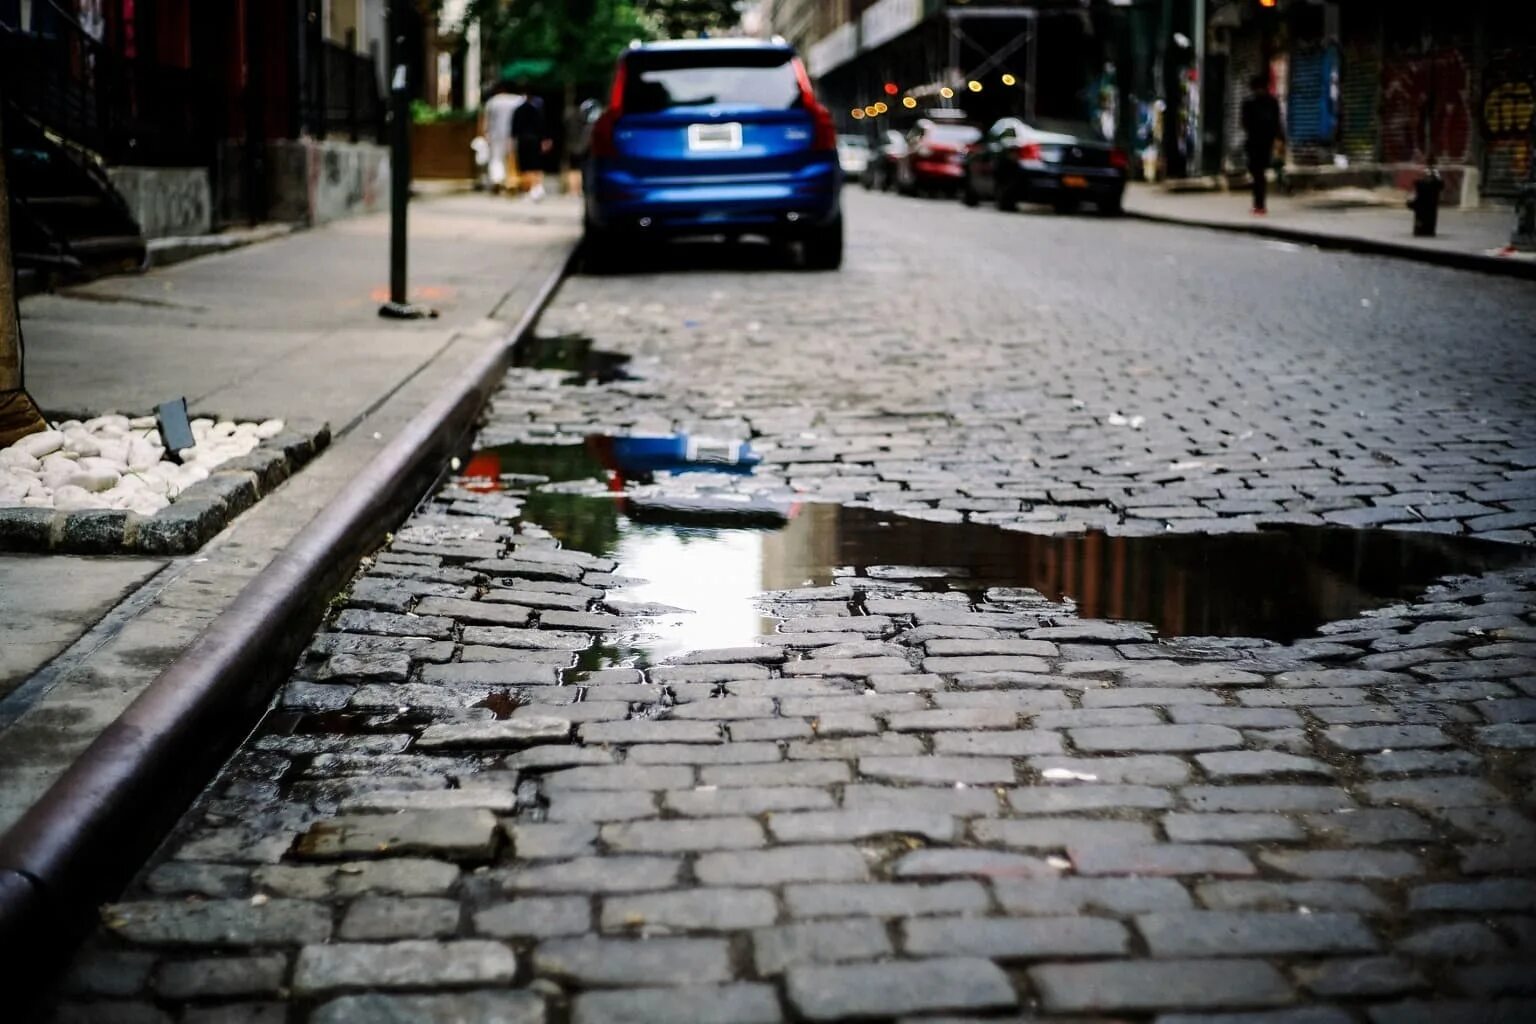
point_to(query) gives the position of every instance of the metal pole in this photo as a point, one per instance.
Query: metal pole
(397, 307)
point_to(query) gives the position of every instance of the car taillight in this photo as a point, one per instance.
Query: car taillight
(1028, 151)
(1117, 158)
(824, 132)
(601, 143)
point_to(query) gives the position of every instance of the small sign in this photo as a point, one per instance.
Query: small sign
(175, 427)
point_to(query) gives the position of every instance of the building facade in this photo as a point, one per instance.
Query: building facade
(174, 117)
(1374, 91)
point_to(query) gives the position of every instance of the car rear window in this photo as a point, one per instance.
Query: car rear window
(660, 81)
(953, 133)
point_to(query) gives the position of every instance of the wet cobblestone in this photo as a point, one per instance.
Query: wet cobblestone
(901, 805)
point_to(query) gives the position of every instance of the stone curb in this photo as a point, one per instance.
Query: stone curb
(1478, 262)
(81, 840)
(183, 526)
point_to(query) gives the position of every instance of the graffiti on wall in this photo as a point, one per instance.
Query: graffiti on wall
(1507, 117)
(1426, 108)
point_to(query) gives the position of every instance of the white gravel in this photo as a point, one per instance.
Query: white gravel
(114, 461)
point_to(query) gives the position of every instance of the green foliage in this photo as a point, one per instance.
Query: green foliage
(423, 112)
(581, 38)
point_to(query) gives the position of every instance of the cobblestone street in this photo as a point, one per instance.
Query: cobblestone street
(508, 784)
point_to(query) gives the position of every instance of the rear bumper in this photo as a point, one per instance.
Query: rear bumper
(1047, 186)
(937, 172)
(779, 203)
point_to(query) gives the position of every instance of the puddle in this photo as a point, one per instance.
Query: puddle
(1278, 584)
(573, 353)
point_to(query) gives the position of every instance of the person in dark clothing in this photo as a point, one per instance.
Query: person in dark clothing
(1261, 130)
(531, 142)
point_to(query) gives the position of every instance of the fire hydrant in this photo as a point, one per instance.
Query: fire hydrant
(1425, 203)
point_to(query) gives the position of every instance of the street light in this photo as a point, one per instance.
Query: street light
(891, 88)
(947, 93)
(973, 85)
(881, 108)
(909, 102)
(858, 113)
(1009, 79)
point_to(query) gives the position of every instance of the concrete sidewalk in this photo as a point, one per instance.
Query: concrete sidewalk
(1354, 220)
(284, 329)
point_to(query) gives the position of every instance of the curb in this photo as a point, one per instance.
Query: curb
(84, 838)
(180, 528)
(1459, 260)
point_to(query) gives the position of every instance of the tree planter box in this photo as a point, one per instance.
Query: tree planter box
(441, 149)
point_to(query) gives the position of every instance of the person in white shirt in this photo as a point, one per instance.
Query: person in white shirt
(496, 126)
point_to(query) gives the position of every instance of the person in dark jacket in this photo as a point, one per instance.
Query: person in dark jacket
(532, 142)
(1261, 130)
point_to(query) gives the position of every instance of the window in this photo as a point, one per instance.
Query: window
(663, 80)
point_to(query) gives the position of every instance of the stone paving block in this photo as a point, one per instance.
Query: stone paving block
(432, 627)
(711, 802)
(542, 840)
(953, 718)
(508, 734)
(830, 863)
(818, 942)
(221, 977)
(643, 730)
(537, 917)
(1433, 793)
(697, 1004)
(218, 922)
(726, 709)
(884, 899)
(1366, 976)
(1454, 1011)
(832, 826)
(1264, 895)
(1038, 938)
(412, 964)
(455, 1008)
(985, 663)
(1297, 1015)
(1231, 828)
(1204, 933)
(938, 770)
(1143, 985)
(1150, 769)
(1265, 798)
(847, 747)
(1506, 894)
(1091, 797)
(634, 962)
(464, 835)
(670, 836)
(925, 799)
(909, 986)
(703, 753)
(490, 673)
(752, 776)
(1149, 696)
(1160, 859)
(1250, 764)
(598, 805)
(1386, 864)
(974, 863)
(1060, 833)
(1375, 738)
(619, 777)
(689, 910)
(1010, 743)
(598, 874)
(398, 917)
(1154, 738)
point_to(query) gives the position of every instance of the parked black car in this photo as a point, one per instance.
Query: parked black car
(1059, 163)
(880, 174)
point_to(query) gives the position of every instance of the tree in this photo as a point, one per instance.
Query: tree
(675, 18)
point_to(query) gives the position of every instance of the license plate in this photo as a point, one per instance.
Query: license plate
(716, 137)
(1074, 181)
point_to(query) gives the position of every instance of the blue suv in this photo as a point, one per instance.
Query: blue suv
(713, 137)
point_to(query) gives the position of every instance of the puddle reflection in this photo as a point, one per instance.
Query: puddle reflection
(1278, 584)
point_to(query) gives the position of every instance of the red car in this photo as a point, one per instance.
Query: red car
(935, 157)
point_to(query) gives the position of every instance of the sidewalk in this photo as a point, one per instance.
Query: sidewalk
(283, 329)
(1470, 239)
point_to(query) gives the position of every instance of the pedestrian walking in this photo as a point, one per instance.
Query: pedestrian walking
(531, 143)
(496, 117)
(1262, 130)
